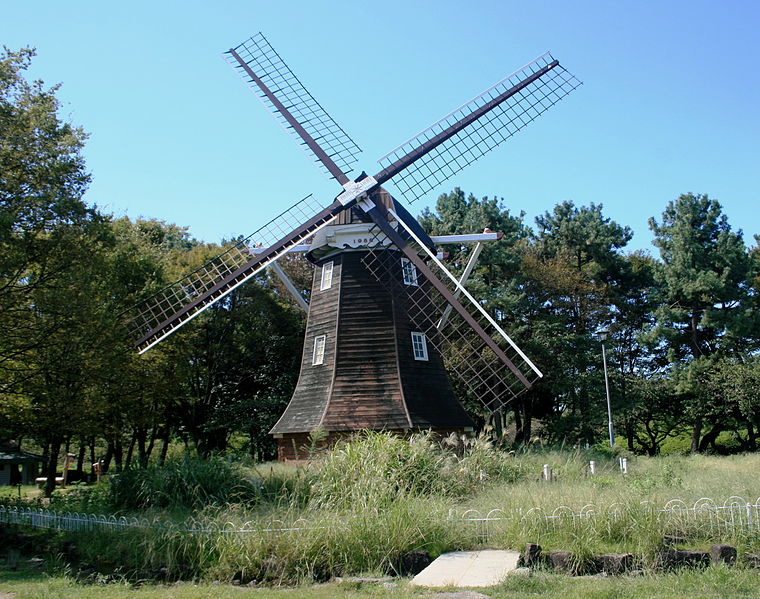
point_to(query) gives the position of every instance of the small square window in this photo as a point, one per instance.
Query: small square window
(318, 355)
(327, 272)
(419, 346)
(408, 272)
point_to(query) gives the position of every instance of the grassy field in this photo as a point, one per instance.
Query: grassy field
(707, 584)
(359, 508)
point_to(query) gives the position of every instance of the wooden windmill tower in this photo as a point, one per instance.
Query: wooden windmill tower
(385, 312)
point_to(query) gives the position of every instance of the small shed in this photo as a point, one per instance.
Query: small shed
(17, 466)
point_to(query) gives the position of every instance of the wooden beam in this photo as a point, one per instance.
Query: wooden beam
(465, 276)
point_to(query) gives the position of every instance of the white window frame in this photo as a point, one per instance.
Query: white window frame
(327, 276)
(419, 342)
(409, 272)
(318, 353)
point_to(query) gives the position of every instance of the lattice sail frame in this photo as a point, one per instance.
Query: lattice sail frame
(486, 133)
(152, 312)
(474, 367)
(258, 54)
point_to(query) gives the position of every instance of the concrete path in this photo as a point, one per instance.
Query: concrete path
(468, 569)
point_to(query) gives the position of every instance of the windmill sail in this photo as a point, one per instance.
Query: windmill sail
(464, 135)
(474, 346)
(164, 312)
(294, 106)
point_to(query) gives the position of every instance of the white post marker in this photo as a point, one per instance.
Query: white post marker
(592, 467)
(624, 465)
(547, 472)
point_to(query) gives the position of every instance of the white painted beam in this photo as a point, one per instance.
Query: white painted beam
(437, 239)
(277, 269)
(462, 282)
(467, 294)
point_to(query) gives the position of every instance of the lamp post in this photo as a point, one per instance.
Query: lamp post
(603, 336)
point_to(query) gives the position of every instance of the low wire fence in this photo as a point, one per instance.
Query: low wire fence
(705, 517)
(83, 522)
(711, 519)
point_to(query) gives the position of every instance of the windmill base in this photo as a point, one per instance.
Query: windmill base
(293, 447)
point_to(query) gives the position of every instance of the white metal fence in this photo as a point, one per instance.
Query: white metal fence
(82, 522)
(705, 516)
(709, 518)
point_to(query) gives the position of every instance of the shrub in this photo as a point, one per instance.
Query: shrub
(84, 498)
(181, 484)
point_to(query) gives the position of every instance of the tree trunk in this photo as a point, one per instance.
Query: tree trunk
(80, 460)
(651, 446)
(498, 425)
(629, 434)
(519, 435)
(528, 422)
(90, 469)
(164, 446)
(118, 453)
(708, 440)
(151, 444)
(525, 424)
(108, 457)
(52, 466)
(140, 434)
(130, 450)
(751, 438)
(696, 433)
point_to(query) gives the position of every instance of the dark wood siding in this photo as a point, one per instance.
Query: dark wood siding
(306, 407)
(369, 379)
(366, 392)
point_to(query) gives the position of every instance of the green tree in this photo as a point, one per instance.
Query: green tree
(705, 306)
(639, 384)
(574, 274)
(42, 181)
(654, 412)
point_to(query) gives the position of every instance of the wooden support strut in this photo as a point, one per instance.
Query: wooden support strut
(379, 214)
(285, 279)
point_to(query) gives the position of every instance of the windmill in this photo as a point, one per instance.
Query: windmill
(385, 312)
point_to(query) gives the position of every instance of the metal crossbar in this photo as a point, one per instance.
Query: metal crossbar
(272, 71)
(527, 93)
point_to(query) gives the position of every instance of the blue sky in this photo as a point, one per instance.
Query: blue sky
(669, 102)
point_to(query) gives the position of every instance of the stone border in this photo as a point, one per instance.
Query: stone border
(615, 564)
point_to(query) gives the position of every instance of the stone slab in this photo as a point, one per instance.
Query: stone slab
(468, 569)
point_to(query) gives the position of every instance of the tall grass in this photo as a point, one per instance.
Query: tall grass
(186, 482)
(376, 469)
(359, 507)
